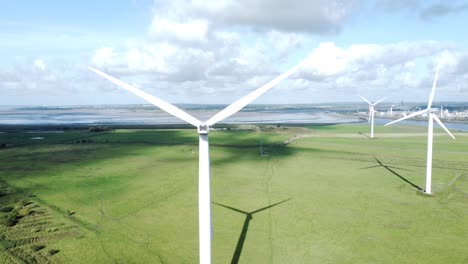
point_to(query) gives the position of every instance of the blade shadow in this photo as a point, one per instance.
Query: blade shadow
(389, 168)
(245, 227)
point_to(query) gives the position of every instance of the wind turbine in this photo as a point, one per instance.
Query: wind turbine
(371, 113)
(203, 128)
(430, 131)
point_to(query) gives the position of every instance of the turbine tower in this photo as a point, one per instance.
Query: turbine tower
(371, 113)
(203, 128)
(430, 131)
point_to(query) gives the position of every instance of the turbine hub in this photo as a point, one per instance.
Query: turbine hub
(203, 128)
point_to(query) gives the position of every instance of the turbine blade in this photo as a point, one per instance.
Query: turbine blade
(431, 97)
(408, 116)
(239, 104)
(443, 126)
(369, 117)
(365, 100)
(165, 106)
(378, 101)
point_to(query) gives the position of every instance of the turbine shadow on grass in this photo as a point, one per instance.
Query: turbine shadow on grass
(362, 134)
(389, 168)
(245, 227)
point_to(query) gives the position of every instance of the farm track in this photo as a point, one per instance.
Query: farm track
(128, 234)
(273, 173)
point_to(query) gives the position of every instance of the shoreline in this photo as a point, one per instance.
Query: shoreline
(81, 126)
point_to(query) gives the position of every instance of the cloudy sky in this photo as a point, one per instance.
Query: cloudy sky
(202, 51)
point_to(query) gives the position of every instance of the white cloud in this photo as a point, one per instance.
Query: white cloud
(202, 51)
(330, 60)
(39, 64)
(448, 60)
(211, 75)
(193, 30)
(103, 56)
(319, 16)
(400, 70)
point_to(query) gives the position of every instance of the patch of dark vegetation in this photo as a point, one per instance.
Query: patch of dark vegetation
(69, 213)
(82, 141)
(99, 129)
(52, 252)
(6, 209)
(28, 227)
(5, 243)
(11, 219)
(22, 202)
(36, 248)
(36, 229)
(25, 211)
(52, 229)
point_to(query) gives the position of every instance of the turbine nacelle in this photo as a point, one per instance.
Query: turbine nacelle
(203, 129)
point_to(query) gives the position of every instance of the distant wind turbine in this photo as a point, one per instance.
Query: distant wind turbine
(430, 131)
(371, 113)
(204, 199)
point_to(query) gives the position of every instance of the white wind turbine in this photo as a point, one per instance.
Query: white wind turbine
(430, 130)
(204, 198)
(391, 110)
(371, 113)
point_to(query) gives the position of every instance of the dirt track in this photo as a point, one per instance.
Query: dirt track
(381, 135)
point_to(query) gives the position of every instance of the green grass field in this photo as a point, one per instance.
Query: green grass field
(130, 196)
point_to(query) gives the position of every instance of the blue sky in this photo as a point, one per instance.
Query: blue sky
(199, 51)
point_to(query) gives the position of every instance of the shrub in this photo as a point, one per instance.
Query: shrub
(24, 212)
(36, 229)
(10, 222)
(6, 209)
(99, 129)
(52, 252)
(22, 202)
(7, 244)
(69, 213)
(36, 248)
(11, 219)
(52, 229)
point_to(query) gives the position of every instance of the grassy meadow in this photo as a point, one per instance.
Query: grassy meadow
(331, 195)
